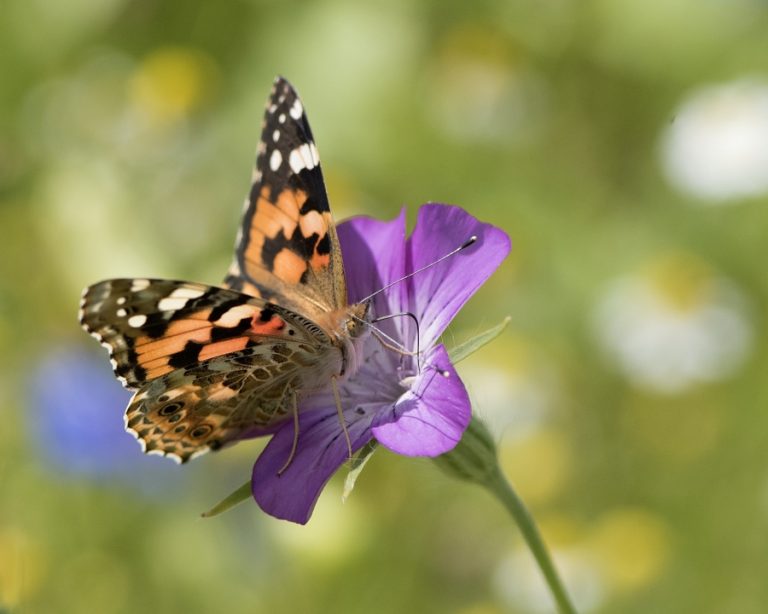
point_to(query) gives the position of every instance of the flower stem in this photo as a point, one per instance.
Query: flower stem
(503, 490)
(474, 459)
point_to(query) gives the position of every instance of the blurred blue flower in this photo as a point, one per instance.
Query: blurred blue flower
(76, 420)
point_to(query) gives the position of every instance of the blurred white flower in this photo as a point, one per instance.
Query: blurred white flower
(674, 326)
(481, 92)
(716, 148)
(515, 396)
(520, 586)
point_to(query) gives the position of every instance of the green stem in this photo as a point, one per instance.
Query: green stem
(506, 494)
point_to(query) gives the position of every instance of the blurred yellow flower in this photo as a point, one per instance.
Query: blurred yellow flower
(331, 536)
(656, 422)
(632, 547)
(683, 282)
(21, 567)
(171, 82)
(561, 531)
(536, 464)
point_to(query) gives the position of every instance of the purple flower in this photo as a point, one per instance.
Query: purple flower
(412, 409)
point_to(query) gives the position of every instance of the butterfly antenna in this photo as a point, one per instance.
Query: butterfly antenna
(464, 245)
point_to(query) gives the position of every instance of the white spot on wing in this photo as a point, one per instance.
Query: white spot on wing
(301, 158)
(296, 109)
(121, 300)
(186, 293)
(174, 457)
(275, 160)
(121, 313)
(139, 284)
(171, 303)
(281, 118)
(233, 315)
(199, 452)
(276, 136)
(137, 321)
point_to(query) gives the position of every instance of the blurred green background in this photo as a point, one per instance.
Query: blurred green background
(623, 144)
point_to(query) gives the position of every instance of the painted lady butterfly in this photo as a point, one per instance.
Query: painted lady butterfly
(210, 363)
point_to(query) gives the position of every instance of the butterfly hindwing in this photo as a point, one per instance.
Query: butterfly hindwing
(287, 247)
(199, 408)
(207, 363)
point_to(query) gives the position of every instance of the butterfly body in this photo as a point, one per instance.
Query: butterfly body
(210, 364)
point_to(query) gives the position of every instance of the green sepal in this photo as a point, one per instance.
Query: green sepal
(461, 351)
(226, 504)
(356, 468)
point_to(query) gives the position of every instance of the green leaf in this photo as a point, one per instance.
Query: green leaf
(461, 351)
(237, 497)
(357, 467)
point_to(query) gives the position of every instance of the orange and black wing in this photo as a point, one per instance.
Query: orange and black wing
(207, 363)
(287, 249)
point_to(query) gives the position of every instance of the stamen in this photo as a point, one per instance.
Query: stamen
(418, 333)
(378, 335)
(401, 348)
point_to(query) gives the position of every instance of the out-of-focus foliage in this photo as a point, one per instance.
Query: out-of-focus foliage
(623, 144)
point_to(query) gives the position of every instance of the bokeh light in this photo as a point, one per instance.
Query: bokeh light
(674, 325)
(716, 147)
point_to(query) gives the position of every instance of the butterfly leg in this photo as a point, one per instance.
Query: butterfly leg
(295, 434)
(343, 424)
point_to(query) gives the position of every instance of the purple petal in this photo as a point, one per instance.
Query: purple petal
(374, 256)
(321, 450)
(430, 419)
(438, 293)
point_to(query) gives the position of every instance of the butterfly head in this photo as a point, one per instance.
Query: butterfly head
(357, 319)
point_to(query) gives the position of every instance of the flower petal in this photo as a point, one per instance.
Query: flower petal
(374, 256)
(430, 419)
(438, 293)
(321, 450)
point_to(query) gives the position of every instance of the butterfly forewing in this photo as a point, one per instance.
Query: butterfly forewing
(287, 244)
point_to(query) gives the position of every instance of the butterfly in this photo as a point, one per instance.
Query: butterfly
(209, 364)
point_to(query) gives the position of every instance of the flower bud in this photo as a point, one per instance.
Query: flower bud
(474, 457)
